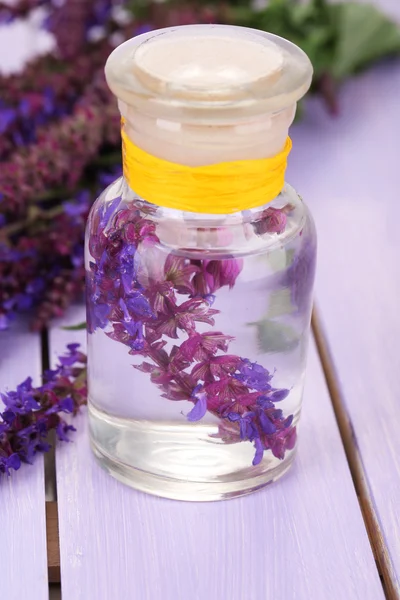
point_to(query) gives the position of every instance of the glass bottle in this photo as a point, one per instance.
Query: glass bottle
(198, 319)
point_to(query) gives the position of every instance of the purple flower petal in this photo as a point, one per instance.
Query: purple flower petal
(199, 409)
(255, 376)
(139, 304)
(287, 423)
(279, 395)
(67, 361)
(9, 416)
(259, 452)
(267, 425)
(25, 386)
(108, 210)
(291, 438)
(11, 462)
(67, 405)
(14, 462)
(62, 430)
(232, 416)
(265, 402)
(7, 116)
(273, 220)
(50, 374)
(42, 447)
(245, 430)
(210, 299)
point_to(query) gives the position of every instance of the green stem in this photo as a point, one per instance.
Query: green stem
(33, 216)
(54, 194)
(112, 159)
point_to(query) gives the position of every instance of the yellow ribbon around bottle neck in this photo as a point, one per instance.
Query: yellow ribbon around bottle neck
(222, 188)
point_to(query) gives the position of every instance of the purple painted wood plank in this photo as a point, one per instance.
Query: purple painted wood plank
(23, 557)
(302, 538)
(348, 171)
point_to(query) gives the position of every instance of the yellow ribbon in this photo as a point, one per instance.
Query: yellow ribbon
(221, 188)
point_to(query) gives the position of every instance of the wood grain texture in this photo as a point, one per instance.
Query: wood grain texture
(347, 169)
(354, 458)
(23, 559)
(301, 538)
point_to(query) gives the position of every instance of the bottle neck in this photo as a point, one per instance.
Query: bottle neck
(203, 143)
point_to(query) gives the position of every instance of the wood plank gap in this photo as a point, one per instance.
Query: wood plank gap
(50, 457)
(54, 591)
(52, 537)
(382, 557)
(53, 543)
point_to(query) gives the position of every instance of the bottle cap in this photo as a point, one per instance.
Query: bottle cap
(208, 71)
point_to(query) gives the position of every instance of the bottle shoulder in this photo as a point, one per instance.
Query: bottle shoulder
(259, 230)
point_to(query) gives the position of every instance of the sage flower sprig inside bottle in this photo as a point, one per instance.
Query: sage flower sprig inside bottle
(200, 264)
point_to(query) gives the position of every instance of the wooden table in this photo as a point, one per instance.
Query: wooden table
(330, 529)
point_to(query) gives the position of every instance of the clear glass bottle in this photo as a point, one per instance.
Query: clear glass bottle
(199, 323)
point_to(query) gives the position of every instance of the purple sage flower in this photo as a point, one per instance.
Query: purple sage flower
(31, 412)
(273, 220)
(253, 375)
(145, 301)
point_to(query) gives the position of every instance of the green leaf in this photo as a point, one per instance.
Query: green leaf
(277, 259)
(290, 253)
(365, 35)
(280, 303)
(299, 112)
(77, 327)
(312, 26)
(339, 38)
(275, 337)
(319, 47)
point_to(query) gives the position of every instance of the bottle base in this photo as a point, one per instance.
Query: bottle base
(190, 491)
(204, 471)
